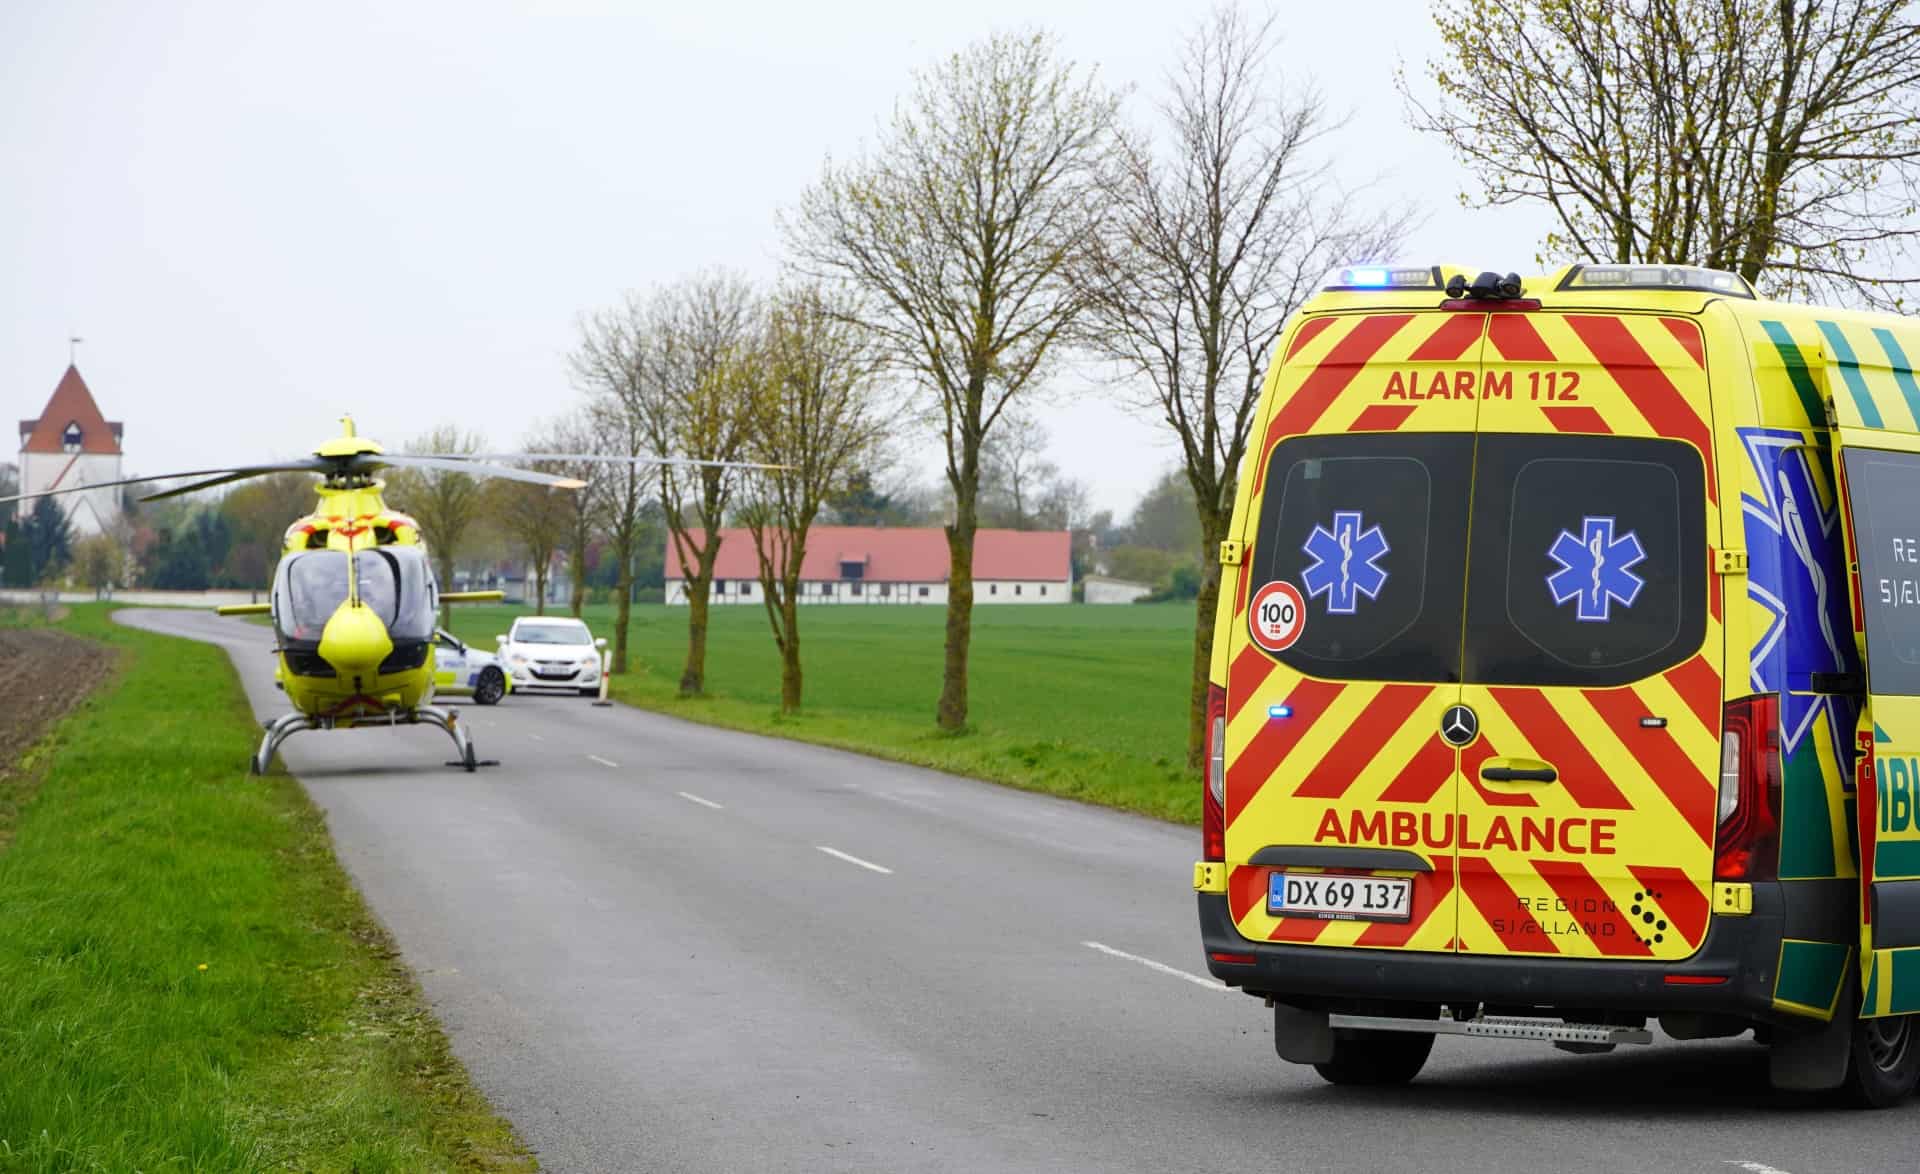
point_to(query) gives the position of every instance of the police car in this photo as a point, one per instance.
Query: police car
(462, 670)
(1566, 677)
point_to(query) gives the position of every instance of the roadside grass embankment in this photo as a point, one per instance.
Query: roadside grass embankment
(1087, 702)
(188, 980)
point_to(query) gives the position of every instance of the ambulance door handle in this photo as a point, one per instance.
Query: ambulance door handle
(1519, 774)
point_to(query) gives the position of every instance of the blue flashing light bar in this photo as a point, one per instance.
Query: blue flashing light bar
(1395, 277)
(1276, 712)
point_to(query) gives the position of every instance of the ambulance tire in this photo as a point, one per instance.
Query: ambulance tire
(1376, 1057)
(1885, 1064)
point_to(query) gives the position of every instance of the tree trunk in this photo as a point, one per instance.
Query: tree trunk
(790, 653)
(952, 715)
(446, 585)
(1213, 525)
(693, 678)
(621, 616)
(539, 589)
(577, 573)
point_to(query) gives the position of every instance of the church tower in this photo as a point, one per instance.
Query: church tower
(72, 444)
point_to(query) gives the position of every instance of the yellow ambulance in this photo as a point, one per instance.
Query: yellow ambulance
(1566, 677)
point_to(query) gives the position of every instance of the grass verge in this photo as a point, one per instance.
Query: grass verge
(1085, 702)
(188, 980)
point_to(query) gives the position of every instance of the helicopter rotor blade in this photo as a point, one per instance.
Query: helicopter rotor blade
(475, 468)
(606, 459)
(308, 465)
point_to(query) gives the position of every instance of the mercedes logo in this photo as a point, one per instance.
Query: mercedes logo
(1459, 725)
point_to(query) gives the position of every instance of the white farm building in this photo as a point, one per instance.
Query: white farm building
(881, 565)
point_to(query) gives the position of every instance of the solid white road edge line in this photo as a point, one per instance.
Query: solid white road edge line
(1754, 1167)
(700, 801)
(604, 761)
(1162, 967)
(866, 864)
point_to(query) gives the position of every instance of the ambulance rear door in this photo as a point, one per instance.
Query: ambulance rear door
(1876, 404)
(1343, 650)
(1593, 648)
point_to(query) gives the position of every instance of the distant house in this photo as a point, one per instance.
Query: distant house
(879, 565)
(1107, 589)
(71, 444)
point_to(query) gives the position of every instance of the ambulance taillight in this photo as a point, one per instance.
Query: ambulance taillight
(1747, 846)
(1213, 800)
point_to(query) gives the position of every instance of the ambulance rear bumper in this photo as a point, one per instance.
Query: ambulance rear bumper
(1741, 951)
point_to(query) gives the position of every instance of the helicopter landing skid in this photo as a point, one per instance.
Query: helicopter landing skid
(288, 724)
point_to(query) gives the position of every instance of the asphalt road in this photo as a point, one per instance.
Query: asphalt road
(659, 946)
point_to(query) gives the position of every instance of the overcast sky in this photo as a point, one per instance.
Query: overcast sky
(260, 215)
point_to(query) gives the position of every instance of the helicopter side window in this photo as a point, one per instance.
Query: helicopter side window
(310, 587)
(398, 585)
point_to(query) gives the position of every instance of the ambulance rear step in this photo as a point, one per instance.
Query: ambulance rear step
(1502, 1027)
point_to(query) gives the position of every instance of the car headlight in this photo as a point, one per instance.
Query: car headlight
(589, 660)
(517, 658)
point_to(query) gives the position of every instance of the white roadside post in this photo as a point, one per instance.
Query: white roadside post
(606, 667)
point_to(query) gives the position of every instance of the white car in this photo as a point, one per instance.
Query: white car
(552, 652)
(461, 669)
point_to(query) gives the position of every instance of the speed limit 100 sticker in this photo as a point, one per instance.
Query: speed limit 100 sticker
(1278, 615)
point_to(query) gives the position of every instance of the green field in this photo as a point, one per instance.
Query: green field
(1088, 702)
(188, 981)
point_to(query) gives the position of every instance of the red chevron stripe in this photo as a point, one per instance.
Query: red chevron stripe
(1499, 905)
(1698, 684)
(1451, 341)
(1263, 754)
(1343, 765)
(1381, 418)
(1431, 769)
(1679, 898)
(1583, 779)
(1714, 589)
(1575, 885)
(1663, 405)
(1309, 330)
(1325, 382)
(1298, 929)
(1246, 888)
(1430, 891)
(1689, 336)
(1577, 419)
(1517, 340)
(1248, 671)
(1679, 778)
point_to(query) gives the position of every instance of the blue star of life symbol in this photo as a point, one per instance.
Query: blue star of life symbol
(1596, 569)
(1346, 562)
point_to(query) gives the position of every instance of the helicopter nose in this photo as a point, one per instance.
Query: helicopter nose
(354, 641)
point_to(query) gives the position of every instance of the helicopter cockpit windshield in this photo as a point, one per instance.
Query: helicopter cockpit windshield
(396, 583)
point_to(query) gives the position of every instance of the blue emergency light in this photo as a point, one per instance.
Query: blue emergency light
(1279, 711)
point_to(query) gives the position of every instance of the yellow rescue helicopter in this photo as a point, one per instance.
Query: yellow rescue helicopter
(354, 598)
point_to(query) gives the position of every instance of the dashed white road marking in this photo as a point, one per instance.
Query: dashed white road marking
(536, 737)
(866, 864)
(604, 761)
(1162, 967)
(1754, 1167)
(691, 798)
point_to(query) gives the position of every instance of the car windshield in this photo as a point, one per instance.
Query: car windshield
(555, 632)
(394, 583)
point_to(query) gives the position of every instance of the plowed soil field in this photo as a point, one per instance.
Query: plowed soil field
(43, 674)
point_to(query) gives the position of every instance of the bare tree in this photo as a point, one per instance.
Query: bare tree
(1014, 472)
(1216, 238)
(446, 504)
(817, 416)
(1776, 138)
(617, 364)
(959, 228)
(581, 512)
(534, 518)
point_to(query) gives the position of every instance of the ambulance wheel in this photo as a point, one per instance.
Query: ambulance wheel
(1376, 1057)
(490, 688)
(1885, 1063)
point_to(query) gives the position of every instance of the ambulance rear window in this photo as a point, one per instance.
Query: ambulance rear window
(1884, 490)
(1371, 529)
(1588, 564)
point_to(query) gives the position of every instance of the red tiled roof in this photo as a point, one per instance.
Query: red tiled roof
(72, 403)
(900, 555)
